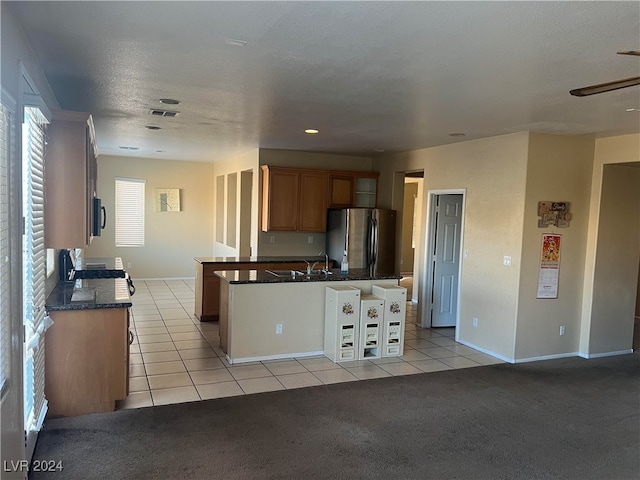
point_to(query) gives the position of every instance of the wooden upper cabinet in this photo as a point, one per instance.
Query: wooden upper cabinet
(353, 189)
(341, 191)
(365, 189)
(70, 180)
(297, 199)
(280, 188)
(313, 202)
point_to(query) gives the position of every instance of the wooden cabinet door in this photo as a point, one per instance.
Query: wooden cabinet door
(211, 299)
(86, 360)
(280, 200)
(70, 175)
(341, 191)
(312, 209)
(365, 190)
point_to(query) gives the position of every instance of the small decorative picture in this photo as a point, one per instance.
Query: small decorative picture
(554, 214)
(167, 199)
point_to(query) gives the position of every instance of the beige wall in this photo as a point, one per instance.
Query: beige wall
(172, 239)
(297, 243)
(246, 216)
(324, 161)
(616, 263)
(558, 169)
(638, 296)
(407, 254)
(623, 149)
(493, 172)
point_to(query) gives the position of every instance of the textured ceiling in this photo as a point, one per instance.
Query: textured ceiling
(370, 76)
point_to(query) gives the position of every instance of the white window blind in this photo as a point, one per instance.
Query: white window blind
(5, 313)
(130, 212)
(34, 273)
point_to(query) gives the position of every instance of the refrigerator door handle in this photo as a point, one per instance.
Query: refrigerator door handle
(374, 242)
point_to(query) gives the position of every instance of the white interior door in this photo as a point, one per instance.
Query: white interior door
(446, 260)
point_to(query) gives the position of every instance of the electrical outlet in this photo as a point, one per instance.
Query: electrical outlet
(272, 239)
(466, 254)
(129, 265)
(475, 321)
(310, 239)
(506, 261)
(562, 330)
(278, 329)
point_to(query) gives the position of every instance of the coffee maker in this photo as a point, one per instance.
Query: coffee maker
(66, 267)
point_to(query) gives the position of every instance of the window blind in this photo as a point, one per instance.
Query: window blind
(130, 212)
(5, 285)
(34, 274)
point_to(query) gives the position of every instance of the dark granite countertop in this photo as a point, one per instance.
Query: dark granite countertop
(89, 294)
(263, 276)
(310, 258)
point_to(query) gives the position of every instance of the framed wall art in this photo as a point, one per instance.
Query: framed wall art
(167, 199)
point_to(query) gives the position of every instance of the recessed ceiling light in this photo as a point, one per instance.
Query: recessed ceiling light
(311, 131)
(235, 42)
(152, 127)
(170, 101)
(633, 109)
(128, 148)
(456, 134)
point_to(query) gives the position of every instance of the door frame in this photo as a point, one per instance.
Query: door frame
(428, 245)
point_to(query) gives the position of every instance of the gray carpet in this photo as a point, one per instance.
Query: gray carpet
(557, 419)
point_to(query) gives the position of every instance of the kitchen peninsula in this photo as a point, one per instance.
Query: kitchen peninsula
(268, 315)
(207, 286)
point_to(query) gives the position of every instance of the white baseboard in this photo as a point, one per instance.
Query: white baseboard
(273, 357)
(163, 279)
(546, 357)
(606, 354)
(485, 351)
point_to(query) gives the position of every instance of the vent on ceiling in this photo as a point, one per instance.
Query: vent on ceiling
(157, 112)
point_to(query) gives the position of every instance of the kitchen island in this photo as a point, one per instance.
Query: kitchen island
(265, 316)
(207, 285)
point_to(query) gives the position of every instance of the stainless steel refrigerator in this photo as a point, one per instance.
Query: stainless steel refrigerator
(367, 234)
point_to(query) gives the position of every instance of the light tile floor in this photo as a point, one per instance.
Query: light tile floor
(175, 358)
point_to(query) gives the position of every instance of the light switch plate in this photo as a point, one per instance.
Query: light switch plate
(506, 261)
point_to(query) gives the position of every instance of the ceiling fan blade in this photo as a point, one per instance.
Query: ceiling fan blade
(629, 52)
(605, 87)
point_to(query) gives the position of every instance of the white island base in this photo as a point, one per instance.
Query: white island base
(267, 321)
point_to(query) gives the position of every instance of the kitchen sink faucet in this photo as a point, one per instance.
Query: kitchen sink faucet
(326, 261)
(310, 267)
